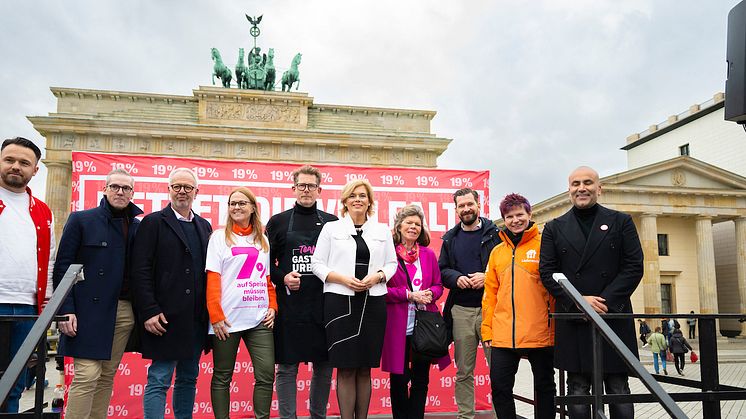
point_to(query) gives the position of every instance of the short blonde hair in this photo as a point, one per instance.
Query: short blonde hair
(347, 191)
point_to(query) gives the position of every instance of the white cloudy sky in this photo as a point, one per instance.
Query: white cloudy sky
(526, 89)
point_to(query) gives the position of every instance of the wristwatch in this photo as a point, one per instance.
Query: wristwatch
(381, 278)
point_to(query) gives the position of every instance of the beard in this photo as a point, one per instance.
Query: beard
(468, 219)
(15, 180)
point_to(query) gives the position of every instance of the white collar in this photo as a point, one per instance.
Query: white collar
(479, 225)
(182, 218)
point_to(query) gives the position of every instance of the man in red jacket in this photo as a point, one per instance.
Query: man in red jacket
(26, 246)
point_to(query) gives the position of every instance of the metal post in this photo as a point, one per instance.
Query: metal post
(38, 329)
(41, 366)
(598, 369)
(633, 362)
(562, 388)
(708, 348)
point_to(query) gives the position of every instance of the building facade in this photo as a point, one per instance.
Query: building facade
(229, 124)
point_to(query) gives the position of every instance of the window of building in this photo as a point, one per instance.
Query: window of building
(684, 150)
(666, 298)
(663, 245)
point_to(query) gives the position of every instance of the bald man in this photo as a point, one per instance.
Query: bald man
(599, 251)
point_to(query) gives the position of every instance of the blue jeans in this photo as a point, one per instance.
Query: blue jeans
(662, 356)
(160, 375)
(18, 332)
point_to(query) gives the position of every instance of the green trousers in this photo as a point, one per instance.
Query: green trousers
(261, 345)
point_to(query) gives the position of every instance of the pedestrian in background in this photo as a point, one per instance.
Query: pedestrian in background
(658, 346)
(644, 331)
(679, 347)
(692, 323)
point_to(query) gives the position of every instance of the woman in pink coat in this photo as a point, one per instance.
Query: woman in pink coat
(411, 239)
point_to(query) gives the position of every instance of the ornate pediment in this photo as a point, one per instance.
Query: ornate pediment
(678, 173)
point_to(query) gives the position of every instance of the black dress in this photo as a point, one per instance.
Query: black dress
(355, 325)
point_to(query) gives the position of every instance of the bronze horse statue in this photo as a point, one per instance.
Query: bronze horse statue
(242, 76)
(220, 70)
(269, 67)
(292, 76)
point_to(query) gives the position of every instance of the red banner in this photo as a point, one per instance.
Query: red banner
(393, 188)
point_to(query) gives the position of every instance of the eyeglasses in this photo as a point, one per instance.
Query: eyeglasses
(239, 204)
(116, 188)
(177, 188)
(306, 186)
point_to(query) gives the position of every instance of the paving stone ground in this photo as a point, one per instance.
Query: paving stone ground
(731, 352)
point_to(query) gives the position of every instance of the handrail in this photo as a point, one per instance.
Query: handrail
(603, 328)
(39, 329)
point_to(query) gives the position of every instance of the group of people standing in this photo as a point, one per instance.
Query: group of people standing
(337, 293)
(668, 338)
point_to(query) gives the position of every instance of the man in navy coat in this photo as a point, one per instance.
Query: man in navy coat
(599, 251)
(99, 309)
(169, 285)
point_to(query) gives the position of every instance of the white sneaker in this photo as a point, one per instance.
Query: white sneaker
(645, 345)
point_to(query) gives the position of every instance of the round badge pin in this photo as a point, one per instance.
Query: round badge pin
(604, 227)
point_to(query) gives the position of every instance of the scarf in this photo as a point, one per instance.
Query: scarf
(409, 256)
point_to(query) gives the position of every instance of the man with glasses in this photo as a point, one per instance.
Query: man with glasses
(26, 248)
(299, 327)
(99, 309)
(168, 283)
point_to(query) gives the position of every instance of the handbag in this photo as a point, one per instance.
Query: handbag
(694, 357)
(430, 335)
(669, 356)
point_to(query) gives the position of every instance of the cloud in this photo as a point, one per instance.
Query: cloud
(527, 90)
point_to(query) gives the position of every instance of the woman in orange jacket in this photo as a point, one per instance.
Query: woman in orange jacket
(515, 312)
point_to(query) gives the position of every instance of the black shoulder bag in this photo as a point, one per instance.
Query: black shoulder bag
(430, 336)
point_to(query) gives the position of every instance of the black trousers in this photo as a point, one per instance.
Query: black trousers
(678, 361)
(579, 383)
(410, 403)
(503, 368)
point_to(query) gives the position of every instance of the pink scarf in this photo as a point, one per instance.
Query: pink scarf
(409, 256)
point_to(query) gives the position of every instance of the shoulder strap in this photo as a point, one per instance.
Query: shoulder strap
(406, 272)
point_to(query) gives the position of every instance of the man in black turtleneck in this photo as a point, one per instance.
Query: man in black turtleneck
(599, 251)
(99, 309)
(299, 328)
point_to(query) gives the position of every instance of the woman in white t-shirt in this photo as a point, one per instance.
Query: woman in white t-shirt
(241, 302)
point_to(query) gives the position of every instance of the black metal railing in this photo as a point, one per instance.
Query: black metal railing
(712, 392)
(36, 340)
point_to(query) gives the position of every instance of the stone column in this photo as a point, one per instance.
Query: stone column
(651, 280)
(59, 175)
(741, 265)
(708, 294)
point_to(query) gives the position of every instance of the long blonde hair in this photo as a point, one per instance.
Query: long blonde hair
(255, 221)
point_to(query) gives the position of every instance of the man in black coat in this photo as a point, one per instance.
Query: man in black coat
(169, 283)
(99, 309)
(299, 329)
(599, 251)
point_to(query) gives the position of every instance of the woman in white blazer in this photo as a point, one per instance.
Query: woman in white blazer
(354, 257)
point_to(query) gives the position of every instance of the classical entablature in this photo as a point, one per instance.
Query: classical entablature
(679, 187)
(231, 124)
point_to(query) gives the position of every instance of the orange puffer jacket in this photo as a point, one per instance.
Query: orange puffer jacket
(516, 306)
